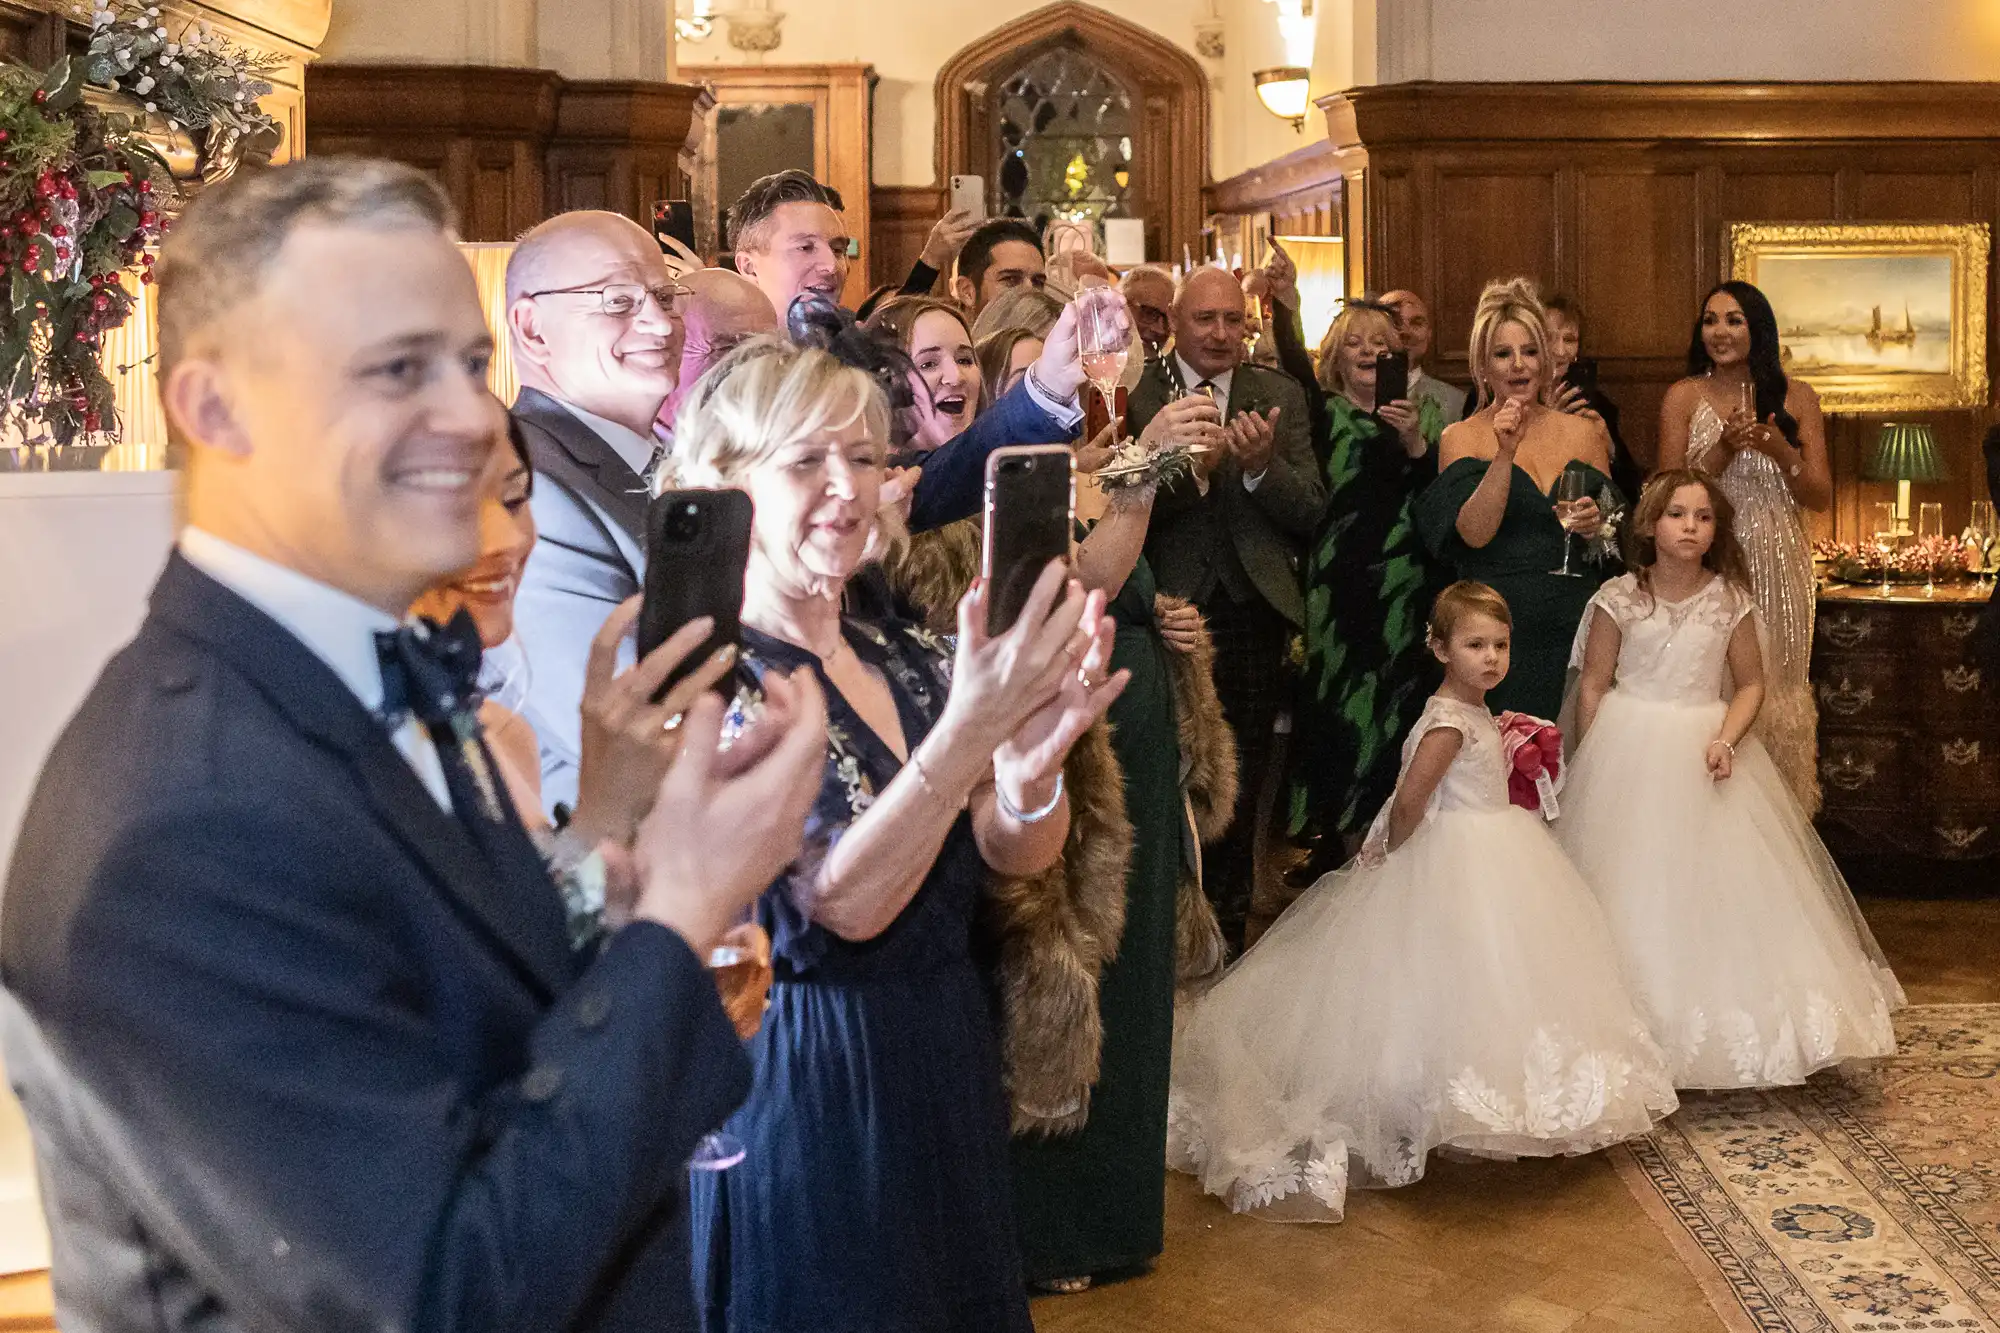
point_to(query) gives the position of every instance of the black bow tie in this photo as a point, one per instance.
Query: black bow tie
(430, 670)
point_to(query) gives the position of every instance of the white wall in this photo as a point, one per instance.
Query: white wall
(581, 39)
(908, 41)
(1551, 40)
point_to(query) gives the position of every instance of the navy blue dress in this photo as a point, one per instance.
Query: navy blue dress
(875, 1196)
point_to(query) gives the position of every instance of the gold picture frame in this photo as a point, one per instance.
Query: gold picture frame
(1877, 317)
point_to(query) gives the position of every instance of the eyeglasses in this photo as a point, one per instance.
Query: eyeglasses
(622, 300)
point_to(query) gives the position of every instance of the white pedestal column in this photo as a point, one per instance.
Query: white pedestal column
(79, 552)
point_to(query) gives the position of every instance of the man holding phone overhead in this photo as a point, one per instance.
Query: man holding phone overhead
(1230, 539)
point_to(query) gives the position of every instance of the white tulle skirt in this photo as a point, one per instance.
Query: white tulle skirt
(1742, 943)
(1464, 993)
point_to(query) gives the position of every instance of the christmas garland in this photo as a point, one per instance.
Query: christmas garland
(82, 192)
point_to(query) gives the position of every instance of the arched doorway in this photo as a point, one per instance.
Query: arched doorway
(1074, 111)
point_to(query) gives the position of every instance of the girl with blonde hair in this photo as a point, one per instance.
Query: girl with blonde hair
(1496, 512)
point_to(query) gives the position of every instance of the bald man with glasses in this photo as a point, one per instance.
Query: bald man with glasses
(596, 321)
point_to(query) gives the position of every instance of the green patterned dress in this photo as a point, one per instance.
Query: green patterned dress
(1369, 585)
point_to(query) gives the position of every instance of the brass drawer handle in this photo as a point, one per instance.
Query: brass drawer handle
(1960, 754)
(1960, 624)
(1959, 838)
(1848, 774)
(1847, 629)
(1846, 700)
(1961, 679)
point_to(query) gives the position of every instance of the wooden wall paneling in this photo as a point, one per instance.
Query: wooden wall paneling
(842, 97)
(901, 216)
(1623, 192)
(483, 132)
(619, 145)
(1489, 223)
(1637, 257)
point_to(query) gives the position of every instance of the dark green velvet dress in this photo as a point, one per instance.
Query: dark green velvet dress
(1094, 1202)
(1547, 607)
(1369, 586)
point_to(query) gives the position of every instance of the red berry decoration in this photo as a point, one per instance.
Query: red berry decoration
(92, 422)
(145, 187)
(6, 135)
(32, 227)
(59, 231)
(41, 96)
(147, 277)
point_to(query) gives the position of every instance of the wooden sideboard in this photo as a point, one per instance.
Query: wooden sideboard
(1909, 724)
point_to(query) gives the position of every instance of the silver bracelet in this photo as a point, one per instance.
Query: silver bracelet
(1031, 817)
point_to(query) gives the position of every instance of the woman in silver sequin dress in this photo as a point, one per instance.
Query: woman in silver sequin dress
(1738, 417)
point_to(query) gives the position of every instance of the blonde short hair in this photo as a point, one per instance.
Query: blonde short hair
(1465, 598)
(217, 254)
(767, 395)
(1516, 300)
(1029, 308)
(1353, 318)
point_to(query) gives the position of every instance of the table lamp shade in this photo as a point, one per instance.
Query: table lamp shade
(1906, 452)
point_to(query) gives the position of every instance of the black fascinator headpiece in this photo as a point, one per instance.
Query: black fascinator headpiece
(814, 321)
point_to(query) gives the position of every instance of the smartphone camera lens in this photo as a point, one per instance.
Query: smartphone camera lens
(684, 524)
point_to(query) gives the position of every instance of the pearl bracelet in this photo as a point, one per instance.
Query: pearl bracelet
(1030, 817)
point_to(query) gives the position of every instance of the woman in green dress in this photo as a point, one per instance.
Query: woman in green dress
(1492, 513)
(1368, 579)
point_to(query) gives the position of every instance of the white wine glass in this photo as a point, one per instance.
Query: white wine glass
(1571, 488)
(1885, 538)
(1981, 529)
(721, 1150)
(1930, 535)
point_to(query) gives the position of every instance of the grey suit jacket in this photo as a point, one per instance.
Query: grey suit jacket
(1449, 397)
(1233, 540)
(589, 556)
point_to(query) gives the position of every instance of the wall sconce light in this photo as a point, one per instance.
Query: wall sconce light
(1282, 90)
(698, 24)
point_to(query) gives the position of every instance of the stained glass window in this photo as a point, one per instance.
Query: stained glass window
(1065, 126)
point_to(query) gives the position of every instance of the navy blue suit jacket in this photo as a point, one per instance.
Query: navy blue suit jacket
(296, 1057)
(954, 482)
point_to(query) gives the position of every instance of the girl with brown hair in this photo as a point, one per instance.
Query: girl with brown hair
(1747, 954)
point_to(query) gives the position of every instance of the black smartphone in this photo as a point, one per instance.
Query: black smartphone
(697, 544)
(674, 219)
(1582, 374)
(1392, 377)
(1030, 512)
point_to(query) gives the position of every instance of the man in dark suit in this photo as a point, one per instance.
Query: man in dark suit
(592, 386)
(291, 1003)
(1229, 539)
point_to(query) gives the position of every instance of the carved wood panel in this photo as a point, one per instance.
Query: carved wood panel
(1622, 194)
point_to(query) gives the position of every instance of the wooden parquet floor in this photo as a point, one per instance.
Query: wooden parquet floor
(1527, 1247)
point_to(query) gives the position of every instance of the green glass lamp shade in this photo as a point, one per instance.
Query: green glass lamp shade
(1906, 452)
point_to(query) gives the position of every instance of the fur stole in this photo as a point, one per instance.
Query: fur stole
(1051, 934)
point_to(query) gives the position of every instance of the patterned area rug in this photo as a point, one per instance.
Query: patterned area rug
(1867, 1201)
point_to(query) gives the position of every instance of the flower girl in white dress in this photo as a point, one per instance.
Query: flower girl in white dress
(1455, 986)
(1744, 948)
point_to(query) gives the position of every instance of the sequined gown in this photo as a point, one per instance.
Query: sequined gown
(1772, 532)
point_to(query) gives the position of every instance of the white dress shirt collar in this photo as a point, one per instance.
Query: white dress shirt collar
(337, 627)
(1189, 378)
(635, 449)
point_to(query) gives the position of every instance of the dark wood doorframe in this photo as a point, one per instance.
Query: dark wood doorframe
(1170, 150)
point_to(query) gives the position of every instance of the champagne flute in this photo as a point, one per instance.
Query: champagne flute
(721, 1150)
(1982, 530)
(1571, 487)
(1104, 339)
(1930, 524)
(1885, 538)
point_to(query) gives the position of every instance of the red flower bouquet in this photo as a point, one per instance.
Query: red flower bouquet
(1533, 747)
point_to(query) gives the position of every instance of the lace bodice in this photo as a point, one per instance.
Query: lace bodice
(1477, 779)
(1670, 652)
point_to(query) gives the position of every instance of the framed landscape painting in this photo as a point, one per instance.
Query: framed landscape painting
(1878, 317)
